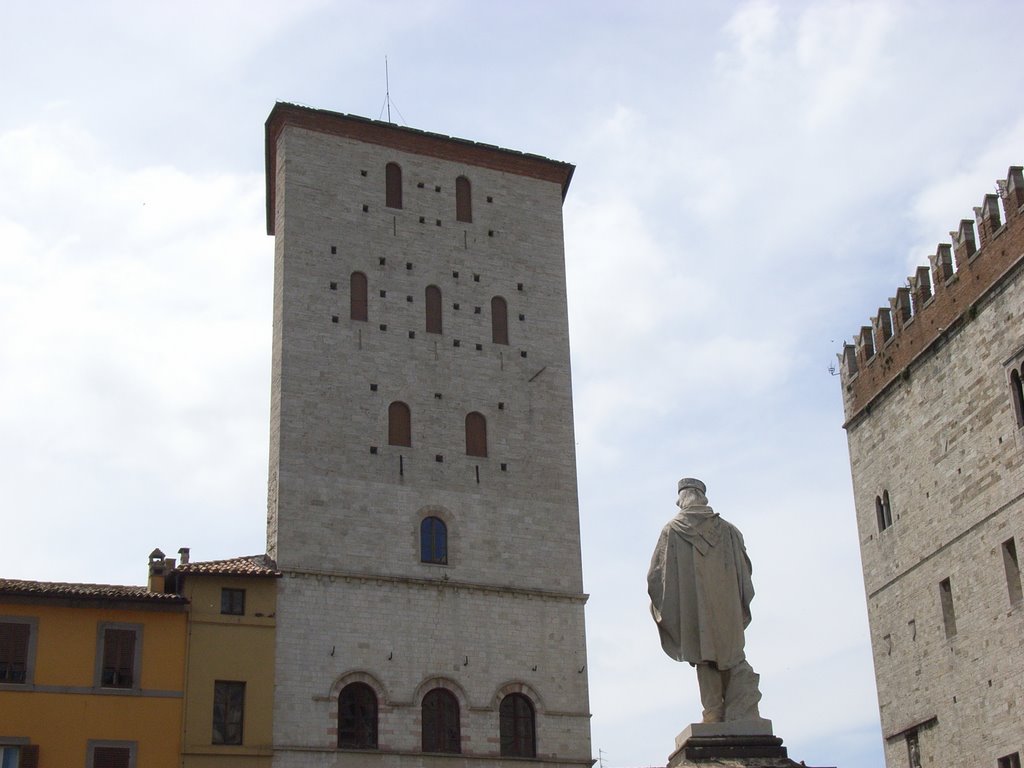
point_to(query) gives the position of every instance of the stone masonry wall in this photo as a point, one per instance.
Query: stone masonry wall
(505, 613)
(941, 438)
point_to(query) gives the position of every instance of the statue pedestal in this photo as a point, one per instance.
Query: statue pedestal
(739, 743)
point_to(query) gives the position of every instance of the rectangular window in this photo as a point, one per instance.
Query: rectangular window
(228, 709)
(1010, 761)
(1012, 568)
(15, 645)
(119, 652)
(948, 614)
(19, 756)
(111, 754)
(232, 602)
(913, 750)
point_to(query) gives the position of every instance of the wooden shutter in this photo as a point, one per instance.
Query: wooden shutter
(14, 638)
(118, 658)
(476, 434)
(358, 296)
(433, 297)
(29, 757)
(499, 320)
(111, 757)
(463, 200)
(399, 424)
(393, 185)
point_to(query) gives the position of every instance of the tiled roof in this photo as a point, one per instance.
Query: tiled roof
(249, 565)
(54, 589)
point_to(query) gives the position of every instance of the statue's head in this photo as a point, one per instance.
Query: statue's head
(691, 492)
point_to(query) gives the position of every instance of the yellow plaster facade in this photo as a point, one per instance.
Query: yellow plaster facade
(62, 705)
(229, 647)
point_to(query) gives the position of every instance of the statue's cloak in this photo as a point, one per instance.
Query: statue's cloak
(700, 588)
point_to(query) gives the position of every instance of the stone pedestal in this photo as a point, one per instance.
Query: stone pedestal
(739, 743)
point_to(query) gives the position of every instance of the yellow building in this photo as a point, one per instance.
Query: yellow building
(90, 675)
(230, 660)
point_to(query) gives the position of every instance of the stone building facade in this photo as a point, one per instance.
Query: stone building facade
(422, 502)
(935, 422)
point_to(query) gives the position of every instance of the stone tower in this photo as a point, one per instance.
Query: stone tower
(422, 500)
(935, 423)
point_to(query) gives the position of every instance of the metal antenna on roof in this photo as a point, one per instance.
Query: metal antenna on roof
(387, 88)
(387, 96)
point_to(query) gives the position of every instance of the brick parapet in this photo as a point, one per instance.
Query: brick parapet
(938, 298)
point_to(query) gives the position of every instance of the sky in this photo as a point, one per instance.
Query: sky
(753, 180)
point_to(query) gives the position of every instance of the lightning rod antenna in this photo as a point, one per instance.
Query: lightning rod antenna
(387, 88)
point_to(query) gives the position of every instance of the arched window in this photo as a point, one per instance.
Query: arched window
(499, 320)
(357, 717)
(357, 296)
(1017, 391)
(463, 200)
(393, 185)
(441, 722)
(433, 294)
(433, 541)
(879, 514)
(476, 434)
(399, 424)
(518, 735)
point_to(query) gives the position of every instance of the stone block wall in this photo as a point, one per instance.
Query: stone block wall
(505, 612)
(934, 432)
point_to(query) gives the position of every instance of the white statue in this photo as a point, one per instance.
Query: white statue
(700, 589)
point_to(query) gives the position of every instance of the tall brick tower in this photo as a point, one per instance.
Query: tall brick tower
(935, 423)
(422, 501)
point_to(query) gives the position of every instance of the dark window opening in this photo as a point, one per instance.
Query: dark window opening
(1012, 567)
(357, 717)
(883, 511)
(111, 757)
(433, 301)
(433, 541)
(1017, 393)
(118, 669)
(399, 424)
(913, 750)
(499, 320)
(393, 185)
(14, 639)
(1010, 761)
(232, 602)
(476, 434)
(948, 613)
(228, 711)
(463, 200)
(441, 732)
(358, 296)
(518, 735)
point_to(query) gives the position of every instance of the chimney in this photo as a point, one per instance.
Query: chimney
(183, 555)
(157, 571)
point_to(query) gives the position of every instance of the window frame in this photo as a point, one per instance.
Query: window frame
(522, 742)
(360, 721)
(440, 718)
(101, 630)
(393, 186)
(227, 686)
(232, 592)
(30, 654)
(93, 744)
(463, 199)
(436, 553)
(476, 434)
(399, 424)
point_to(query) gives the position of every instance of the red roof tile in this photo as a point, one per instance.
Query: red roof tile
(54, 589)
(249, 565)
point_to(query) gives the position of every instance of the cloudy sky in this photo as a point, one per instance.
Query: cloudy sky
(753, 180)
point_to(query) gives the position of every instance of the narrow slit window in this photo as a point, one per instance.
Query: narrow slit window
(393, 185)
(399, 424)
(358, 297)
(463, 200)
(476, 434)
(433, 309)
(499, 320)
(1012, 567)
(948, 613)
(1017, 393)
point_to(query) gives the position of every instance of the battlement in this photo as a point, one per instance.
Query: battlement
(938, 298)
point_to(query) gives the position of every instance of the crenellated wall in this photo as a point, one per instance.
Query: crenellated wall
(937, 298)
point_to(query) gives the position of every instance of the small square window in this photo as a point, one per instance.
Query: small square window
(232, 602)
(334, 286)
(383, 294)
(334, 249)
